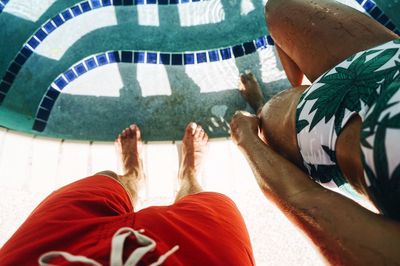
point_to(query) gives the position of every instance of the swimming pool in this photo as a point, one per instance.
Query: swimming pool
(83, 70)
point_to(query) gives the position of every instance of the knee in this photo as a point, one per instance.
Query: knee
(272, 10)
(108, 173)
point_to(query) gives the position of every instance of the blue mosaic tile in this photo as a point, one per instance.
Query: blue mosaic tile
(201, 57)
(138, 57)
(226, 53)
(2, 95)
(66, 15)
(39, 125)
(152, 58)
(70, 75)
(238, 50)
(383, 19)
(76, 11)
(58, 20)
(163, 2)
(213, 55)
(376, 12)
(174, 2)
(49, 27)
(126, 56)
(40, 34)
(176, 59)
(47, 103)
(249, 47)
(113, 57)
(90, 63)
(20, 59)
(139, 2)
(390, 26)
(102, 59)
(185, 1)
(195, 0)
(26, 51)
(151, 2)
(43, 114)
(9, 77)
(106, 2)
(5, 2)
(360, 1)
(53, 93)
(270, 40)
(4, 87)
(80, 69)
(95, 3)
(117, 2)
(260, 42)
(14, 68)
(368, 5)
(165, 59)
(61, 82)
(188, 59)
(85, 7)
(33, 42)
(128, 2)
(397, 32)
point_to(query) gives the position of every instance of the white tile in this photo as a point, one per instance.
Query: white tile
(15, 164)
(45, 157)
(162, 169)
(104, 157)
(218, 174)
(73, 162)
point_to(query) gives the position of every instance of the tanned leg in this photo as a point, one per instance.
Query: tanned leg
(316, 35)
(194, 144)
(128, 144)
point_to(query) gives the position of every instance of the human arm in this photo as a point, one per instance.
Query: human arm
(345, 232)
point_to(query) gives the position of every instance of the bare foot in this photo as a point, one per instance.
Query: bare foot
(194, 144)
(251, 91)
(128, 144)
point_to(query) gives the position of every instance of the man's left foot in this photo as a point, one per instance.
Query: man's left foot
(251, 92)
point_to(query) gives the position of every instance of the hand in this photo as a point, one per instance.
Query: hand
(243, 125)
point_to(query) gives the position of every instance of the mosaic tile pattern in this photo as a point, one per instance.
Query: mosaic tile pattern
(139, 57)
(372, 8)
(3, 3)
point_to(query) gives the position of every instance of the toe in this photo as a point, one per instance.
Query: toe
(202, 133)
(136, 131)
(123, 134)
(205, 138)
(198, 131)
(191, 128)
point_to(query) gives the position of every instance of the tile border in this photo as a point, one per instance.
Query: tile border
(139, 57)
(377, 13)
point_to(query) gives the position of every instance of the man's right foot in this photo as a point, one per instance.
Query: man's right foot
(194, 144)
(251, 91)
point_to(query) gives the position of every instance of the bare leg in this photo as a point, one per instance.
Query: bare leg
(318, 34)
(128, 144)
(193, 147)
(251, 92)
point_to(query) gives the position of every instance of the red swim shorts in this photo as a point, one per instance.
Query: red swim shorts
(82, 218)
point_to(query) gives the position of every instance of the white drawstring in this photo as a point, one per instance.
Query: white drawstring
(67, 256)
(117, 248)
